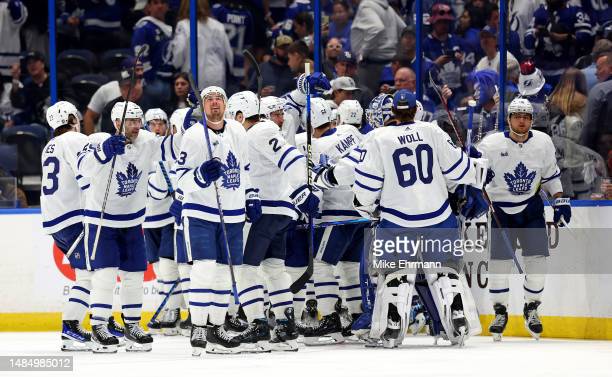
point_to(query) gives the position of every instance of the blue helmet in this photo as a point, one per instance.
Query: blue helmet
(379, 110)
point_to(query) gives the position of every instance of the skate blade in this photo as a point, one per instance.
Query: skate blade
(286, 346)
(69, 345)
(197, 351)
(171, 332)
(137, 347)
(497, 337)
(186, 332)
(333, 338)
(220, 350)
(534, 335)
(98, 348)
(259, 347)
(390, 343)
(372, 343)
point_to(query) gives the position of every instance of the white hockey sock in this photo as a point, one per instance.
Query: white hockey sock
(299, 299)
(535, 276)
(184, 275)
(250, 292)
(499, 288)
(278, 282)
(170, 274)
(202, 277)
(158, 285)
(78, 299)
(131, 295)
(221, 294)
(326, 287)
(350, 287)
(102, 285)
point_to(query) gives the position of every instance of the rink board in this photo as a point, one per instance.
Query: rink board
(35, 278)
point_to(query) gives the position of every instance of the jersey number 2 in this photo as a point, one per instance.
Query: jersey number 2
(52, 175)
(406, 172)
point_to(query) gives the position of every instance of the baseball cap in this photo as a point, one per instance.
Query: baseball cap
(343, 83)
(441, 12)
(404, 99)
(34, 55)
(283, 40)
(488, 31)
(347, 56)
(126, 67)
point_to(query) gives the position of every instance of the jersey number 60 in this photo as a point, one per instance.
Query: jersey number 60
(406, 171)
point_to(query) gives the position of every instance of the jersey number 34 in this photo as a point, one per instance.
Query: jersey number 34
(406, 171)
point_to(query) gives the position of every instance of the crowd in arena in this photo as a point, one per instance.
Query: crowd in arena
(559, 56)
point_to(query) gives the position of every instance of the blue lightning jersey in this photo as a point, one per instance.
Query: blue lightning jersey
(154, 36)
(238, 24)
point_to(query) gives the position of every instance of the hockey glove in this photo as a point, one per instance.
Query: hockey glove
(209, 171)
(325, 179)
(305, 201)
(475, 203)
(113, 146)
(176, 210)
(317, 82)
(253, 205)
(562, 210)
(490, 176)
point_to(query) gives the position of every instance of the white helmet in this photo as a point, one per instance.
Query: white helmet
(245, 102)
(182, 119)
(320, 112)
(335, 118)
(133, 111)
(213, 90)
(271, 104)
(155, 114)
(519, 106)
(59, 114)
(350, 112)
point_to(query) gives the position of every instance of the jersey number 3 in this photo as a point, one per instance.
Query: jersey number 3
(52, 175)
(406, 172)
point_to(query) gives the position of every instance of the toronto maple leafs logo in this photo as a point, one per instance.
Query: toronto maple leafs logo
(127, 182)
(520, 183)
(231, 173)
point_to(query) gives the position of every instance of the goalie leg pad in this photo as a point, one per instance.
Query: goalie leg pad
(393, 289)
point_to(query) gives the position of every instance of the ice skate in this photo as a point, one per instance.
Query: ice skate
(235, 323)
(498, 325)
(171, 322)
(218, 341)
(329, 327)
(136, 340)
(74, 337)
(103, 341)
(394, 325)
(532, 320)
(198, 340)
(185, 325)
(255, 338)
(116, 330)
(284, 334)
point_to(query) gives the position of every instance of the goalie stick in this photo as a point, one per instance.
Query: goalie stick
(112, 169)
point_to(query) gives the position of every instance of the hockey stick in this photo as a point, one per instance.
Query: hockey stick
(507, 242)
(217, 192)
(250, 56)
(163, 168)
(163, 303)
(74, 244)
(302, 280)
(112, 169)
(334, 223)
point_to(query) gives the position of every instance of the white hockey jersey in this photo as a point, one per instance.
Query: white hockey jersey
(157, 212)
(520, 168)
(277, 169)
(405, 168)
(61, 199)
(125, 206)
(231, 147)
(337, 203)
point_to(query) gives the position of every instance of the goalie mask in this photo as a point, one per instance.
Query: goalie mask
(379, 111)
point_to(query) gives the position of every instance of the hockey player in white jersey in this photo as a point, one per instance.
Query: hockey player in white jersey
(334, 245)
(114, 239)
(273, 109)
(522, 162)
(61, 202)
(159, 226)
(399, 166)
(277, 174)
(210, 289)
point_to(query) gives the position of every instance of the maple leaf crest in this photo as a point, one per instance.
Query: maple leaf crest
(127, 182)
(231, 172)
(520, 182)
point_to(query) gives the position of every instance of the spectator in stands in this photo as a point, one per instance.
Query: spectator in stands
(477, 11)
(375, 35)
(346, 65)
(601, 47)
(387, 77)
(488, 43)
(343, 88)
(297, 53)
(214, 50)
(597, 132)
(107, 93)
(297, 7)
(180, 91)
(407, 50)
(333, 48)
(303, 29)
(13, 15)
(277, 75)
(513, 72)
(558, 34)
(33, 95)
(469, 34)
(405, 78)
(101, 24)
(7, 111)
(514, 40)
(153, 36)
(340, 25)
